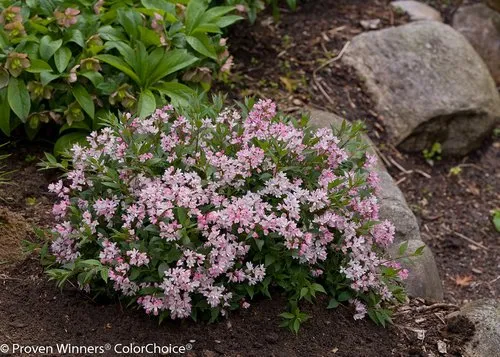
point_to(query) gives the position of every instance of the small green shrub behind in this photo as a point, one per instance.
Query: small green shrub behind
(70, 62)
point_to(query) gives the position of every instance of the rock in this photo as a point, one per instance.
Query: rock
(424, 280)
(485, 314)
(417, 11)
(370, 24)
(481, 26)
(494, 4)
(428, 84)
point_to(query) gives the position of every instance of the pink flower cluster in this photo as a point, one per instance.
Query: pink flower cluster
(210, 190)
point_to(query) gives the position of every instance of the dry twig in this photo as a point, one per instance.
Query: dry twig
(464, 237)
(315, 77)
(439, 305)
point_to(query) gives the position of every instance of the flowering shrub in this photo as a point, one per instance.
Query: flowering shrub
(70, 62)
(194, 213)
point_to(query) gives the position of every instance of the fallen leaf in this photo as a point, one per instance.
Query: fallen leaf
(473, 189)
(441, 345)
(420, 334)
(465, 280)
(290, 84)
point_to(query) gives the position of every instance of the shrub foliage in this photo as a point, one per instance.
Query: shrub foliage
(70, 62)
(194, 213)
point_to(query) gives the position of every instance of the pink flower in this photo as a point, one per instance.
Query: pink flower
(145, 157)
(106, 207)
(360, 310)
(137, 258)
(383, 233)
(67, 18)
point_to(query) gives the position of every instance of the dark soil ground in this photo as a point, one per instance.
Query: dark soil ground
(278, 61)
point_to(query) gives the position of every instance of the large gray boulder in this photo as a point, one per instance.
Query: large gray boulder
(485, 314)
(424, 280)
(417, 10)
(428, 84)
(481, 26)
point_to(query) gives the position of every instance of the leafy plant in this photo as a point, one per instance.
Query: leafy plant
(432, 154)
(495, 217)
(455, 171)
(73, 62)
(194, 212)
(294, 319)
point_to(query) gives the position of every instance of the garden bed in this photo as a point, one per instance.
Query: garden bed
(279, 61)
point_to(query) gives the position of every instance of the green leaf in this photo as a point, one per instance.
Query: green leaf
(119, 64)
(164, 63)
(147, 103)
(287, 315)
(419, 250)
(162, 268)
(214, 312)
(194, 13)
(319, 288)
(37, 27)
(179, 94)
(84, 99)
(19, 98)
(4, 78)
(344, 296)
(149, 37)
(4, 112)
(269, 259)
(203, 28)
(130, 20)
(134, 274)
(48, 47)
(110, 33)
(200, 45)
(332, 304)
(31, 128)
(38, 66)
(303, 292)
(228, 20)
(95, 77)
(181, 214)
(159, 4)
(403, 248)
(104, 274)
(496, 220)
(127, 53)
(259, 243)
(62, 58)
(75, 36)
(292, 4)
(164, 315)
(67, 141)
(215, 12)
(47, 77)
